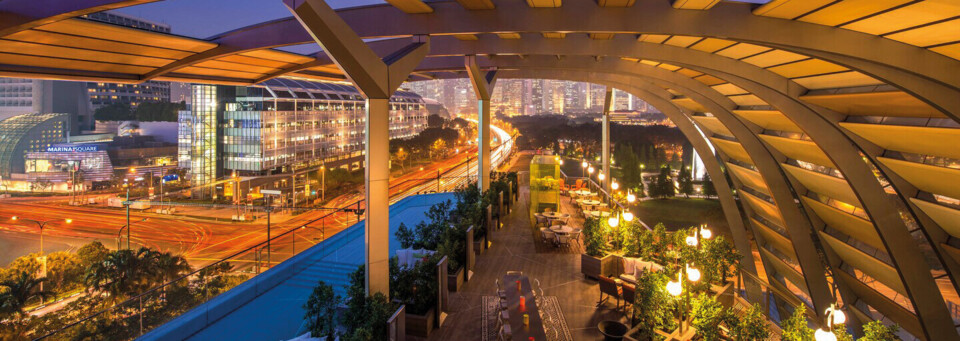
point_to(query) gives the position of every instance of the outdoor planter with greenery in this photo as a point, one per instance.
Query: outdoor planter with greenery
(365, 317)
(795, 328)
(445, 230)
(595, 261)
(416, 287)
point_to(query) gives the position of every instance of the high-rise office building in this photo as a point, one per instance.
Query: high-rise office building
(281, 125)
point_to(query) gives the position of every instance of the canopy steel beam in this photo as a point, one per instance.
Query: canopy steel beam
(22, 15)
(376, 79)
(483, 84)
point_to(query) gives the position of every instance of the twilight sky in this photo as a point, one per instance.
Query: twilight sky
(205, 18)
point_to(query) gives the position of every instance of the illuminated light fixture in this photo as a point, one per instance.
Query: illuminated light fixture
(823, 335)
(561, 162)
(584, 164)
(69, 221)
(693, 274)
(674, 287)
(705, 232)
(691, 240)
(834, 316)
(627, 216)
(613, 221)
(14, 218)
(631, 197)
(591, 170)
(615, 185)
(600, 176)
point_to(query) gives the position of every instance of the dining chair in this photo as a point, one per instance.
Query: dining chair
(563, 239)
(504, 333)
(547, 236)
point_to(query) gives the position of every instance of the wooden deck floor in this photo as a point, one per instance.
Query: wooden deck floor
(515, 248)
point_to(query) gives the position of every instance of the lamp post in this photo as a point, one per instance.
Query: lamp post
(43, 260)
(121, 231)
(833, 316)
(126, 184)
(583, 167)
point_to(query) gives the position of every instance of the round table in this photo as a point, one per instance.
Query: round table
(582, 192)
(555, 215)
(599, 214)
(589, 202)
(561, 228)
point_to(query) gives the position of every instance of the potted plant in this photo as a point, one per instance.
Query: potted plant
(707, 315)
(595, 261)
(652, 307)
(365, 317)
(751, 326)
(416, 287)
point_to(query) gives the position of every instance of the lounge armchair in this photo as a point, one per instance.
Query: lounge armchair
(563, 239)
(610, 288)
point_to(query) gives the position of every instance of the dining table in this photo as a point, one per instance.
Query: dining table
(561, 228)
(589, 202)
(517, 286)
(583, 192)
(598, 214)
(555, 215)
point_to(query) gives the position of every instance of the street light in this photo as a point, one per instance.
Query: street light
(834, 316)
(43, 260)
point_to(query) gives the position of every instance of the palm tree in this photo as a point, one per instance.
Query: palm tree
(20, 289)
(123, 273)
(168, 267)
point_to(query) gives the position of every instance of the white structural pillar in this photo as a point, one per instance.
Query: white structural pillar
(376, 78)
(483, 84)
(605, 139)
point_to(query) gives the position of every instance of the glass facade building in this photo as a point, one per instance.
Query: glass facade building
(281, 125)
(29, 133)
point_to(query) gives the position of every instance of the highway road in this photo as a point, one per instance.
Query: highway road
(204, 241)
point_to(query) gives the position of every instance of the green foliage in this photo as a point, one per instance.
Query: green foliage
(795, 327)
(64, 272)
(416, 286)
(650, 309)
(114, 112)
(18, 290)
(659, 249)
(662, 187)
(321, 311)
(752, 326)
(594, 237)
(720, 259)
(708, 188)
(630, 173)
(126, 273)
(707, 316)
(877, 331)
(685, 182)
(840, 331)
(92, 253)
(366, 317)
(637, 240)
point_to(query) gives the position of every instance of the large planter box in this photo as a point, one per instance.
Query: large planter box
(420, 325)
(480, 245)
(593, 267)
(455, 280)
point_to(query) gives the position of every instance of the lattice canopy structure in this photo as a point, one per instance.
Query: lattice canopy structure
(834, 124)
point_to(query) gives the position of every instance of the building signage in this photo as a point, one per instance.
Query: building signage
(75, 149)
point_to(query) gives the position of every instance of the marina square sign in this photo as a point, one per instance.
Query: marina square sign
(75, 149)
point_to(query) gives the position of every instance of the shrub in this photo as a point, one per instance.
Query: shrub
(366, 316)
(650, 310)
(321, 311)
(795, 327)
(415, 287)
(707, 316)
(877, 331)
(594, 238)
(752, 326)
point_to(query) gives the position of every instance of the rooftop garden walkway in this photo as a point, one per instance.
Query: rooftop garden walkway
(517, 247)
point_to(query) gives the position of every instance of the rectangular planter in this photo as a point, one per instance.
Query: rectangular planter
(455, 280)
(480, 245)
(420, 325)
(593, 267)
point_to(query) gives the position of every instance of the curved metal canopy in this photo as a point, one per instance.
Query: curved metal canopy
(836, 122)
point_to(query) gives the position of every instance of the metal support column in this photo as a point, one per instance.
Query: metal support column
(483, 84)
(605, 140)
(376, 78)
